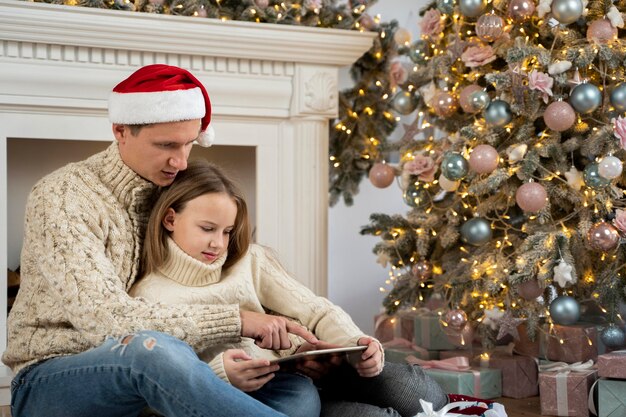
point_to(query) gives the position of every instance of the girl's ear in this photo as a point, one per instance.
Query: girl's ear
(169, 219)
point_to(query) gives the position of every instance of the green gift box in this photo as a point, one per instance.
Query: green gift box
(483, 383)
(399, 354)
(611, 398)
(425, 330)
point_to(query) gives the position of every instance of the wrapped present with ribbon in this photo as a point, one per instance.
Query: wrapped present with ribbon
(526, 346)
(519, 373)
(575, 343)
(564, 388)
(611, 398)
(423, 327)
(455, 376)
(397, 350)
(474, 408)
(385, 327)
(612, 365)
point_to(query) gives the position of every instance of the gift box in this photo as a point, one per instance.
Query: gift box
(478, 382)
(564, 388)
(384, 327)
(575, 343)
(525, 346)
(519, 373)
(399, 354)
(612, 365)
(611, 398)
(469, 354)
(424, 329)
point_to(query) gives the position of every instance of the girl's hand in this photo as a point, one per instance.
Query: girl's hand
(371, 363)
(246, 373)
(316, 369)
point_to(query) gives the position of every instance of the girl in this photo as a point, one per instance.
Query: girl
(198, 251)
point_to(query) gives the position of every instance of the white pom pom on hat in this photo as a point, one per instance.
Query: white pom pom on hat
(160, 94)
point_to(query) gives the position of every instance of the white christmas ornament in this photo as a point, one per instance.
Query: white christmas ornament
(610, 167)
(617, 21)
(545, 7)
(516, 152)
(383, 259)
(428, 92)
(575, 178)
(492, 317)
(448, 185)
(559, 67)
(563, 273)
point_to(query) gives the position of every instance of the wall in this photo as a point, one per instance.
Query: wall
(354, 277)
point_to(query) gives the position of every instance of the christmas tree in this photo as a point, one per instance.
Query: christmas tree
(511, 167)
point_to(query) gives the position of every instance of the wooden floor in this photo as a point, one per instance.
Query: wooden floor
(526, 407)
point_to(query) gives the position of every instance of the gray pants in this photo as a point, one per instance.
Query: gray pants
(395, 392)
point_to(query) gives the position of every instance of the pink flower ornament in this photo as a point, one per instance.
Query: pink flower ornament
(619, 130)
(398, 73)
(541, 82)
(476, 56)
(431, 24)
(422, 166)
(620, 220)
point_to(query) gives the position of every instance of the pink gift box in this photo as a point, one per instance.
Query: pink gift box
(384, 327)
(565, 393)
(519, 374)
(576, 343)
(612, 365)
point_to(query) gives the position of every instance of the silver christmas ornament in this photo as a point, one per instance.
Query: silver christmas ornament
(404, 102)
(585, 98)
(567, 11)
(419, 52)
(618, 97)
(479, 100)
(454, 166)
(498, 113)
(472, 8)
(613, 337)
(476, 231)
(415, 196)
(565, 310)
(592, 177)
(445, 6)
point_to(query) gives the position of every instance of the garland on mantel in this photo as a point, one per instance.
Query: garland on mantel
(316, 13)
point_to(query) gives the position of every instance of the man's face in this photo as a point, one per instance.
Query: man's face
(158, 151)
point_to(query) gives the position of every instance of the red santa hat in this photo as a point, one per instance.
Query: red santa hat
(160, 94)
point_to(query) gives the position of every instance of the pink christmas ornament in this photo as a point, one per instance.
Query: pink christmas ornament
(422, 270)
(603, 236)
(601, 31)
(520, 10)
(381, 175)
(464, 97)
(529, 290)
(559, 116)
(484, 159)
(531, 197)
(444, 104)
(489, 27)
(456, 319)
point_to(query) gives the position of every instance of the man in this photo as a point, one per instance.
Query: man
(78, 343)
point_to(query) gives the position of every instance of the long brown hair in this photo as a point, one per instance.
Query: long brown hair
(201, 177)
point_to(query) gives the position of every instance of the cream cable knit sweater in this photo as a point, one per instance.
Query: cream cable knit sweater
(82, 240)
(257, 282)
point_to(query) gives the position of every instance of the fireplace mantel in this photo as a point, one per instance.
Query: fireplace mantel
(273, 88)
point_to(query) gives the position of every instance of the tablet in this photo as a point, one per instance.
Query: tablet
(349, 353)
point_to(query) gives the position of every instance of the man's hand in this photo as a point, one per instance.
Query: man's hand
(271, 332)
(370, 364)
(246, 373)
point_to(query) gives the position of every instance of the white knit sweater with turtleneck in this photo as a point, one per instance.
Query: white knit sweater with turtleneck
(257, 283)
(83, 234)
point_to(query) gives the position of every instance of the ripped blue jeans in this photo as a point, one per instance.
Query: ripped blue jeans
(123, 376)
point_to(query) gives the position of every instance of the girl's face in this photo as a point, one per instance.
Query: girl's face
(202, 229)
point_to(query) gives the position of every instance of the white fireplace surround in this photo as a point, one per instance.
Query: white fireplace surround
(273, 88)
